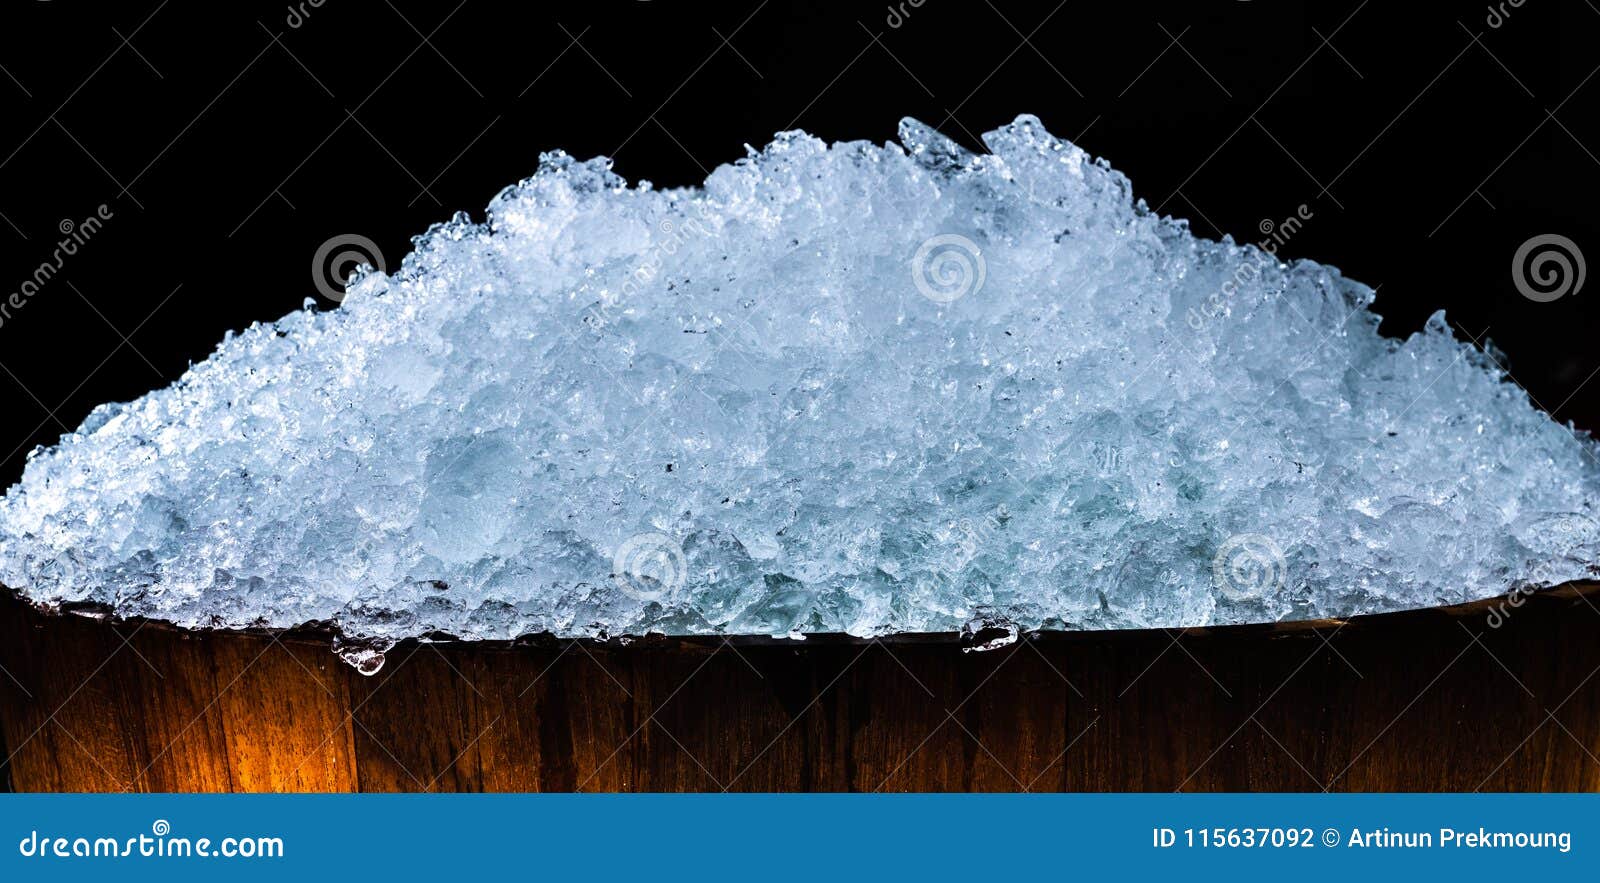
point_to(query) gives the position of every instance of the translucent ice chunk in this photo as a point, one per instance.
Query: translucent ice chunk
(837, 388)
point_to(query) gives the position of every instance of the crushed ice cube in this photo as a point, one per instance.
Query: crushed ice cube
(851, 388)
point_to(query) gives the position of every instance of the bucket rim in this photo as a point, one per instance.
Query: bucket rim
(324, 633)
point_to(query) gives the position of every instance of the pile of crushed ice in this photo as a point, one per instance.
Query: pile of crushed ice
(847, 388)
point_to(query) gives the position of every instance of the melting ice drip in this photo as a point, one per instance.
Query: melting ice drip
(847, 388)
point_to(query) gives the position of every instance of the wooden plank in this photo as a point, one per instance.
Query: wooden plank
(169, 688)
(284, 709)
(64, 716)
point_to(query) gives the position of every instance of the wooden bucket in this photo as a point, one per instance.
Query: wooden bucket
(1495, 695)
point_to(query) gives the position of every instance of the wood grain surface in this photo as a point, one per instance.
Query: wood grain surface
(1483, 696)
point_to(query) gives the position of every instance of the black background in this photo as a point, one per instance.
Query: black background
(229, 143)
